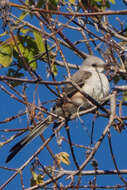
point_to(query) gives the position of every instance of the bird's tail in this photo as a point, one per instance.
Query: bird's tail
(41, 126)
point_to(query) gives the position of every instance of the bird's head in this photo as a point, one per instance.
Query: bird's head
(93, 63)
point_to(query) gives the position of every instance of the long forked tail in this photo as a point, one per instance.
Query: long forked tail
(41, 126)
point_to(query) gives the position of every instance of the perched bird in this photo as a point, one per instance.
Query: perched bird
(91, 79)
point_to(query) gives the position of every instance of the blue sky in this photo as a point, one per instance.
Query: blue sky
(80, 133)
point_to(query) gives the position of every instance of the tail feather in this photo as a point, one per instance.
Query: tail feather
(41, 126)
(15, 149)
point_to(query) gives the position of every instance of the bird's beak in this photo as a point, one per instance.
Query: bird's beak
(106, 66)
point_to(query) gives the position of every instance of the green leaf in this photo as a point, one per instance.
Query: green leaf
(53, 4)
(112, 1)
(39, 41)
(28, 49)
(125, 96)
(6, 54)
(15, 73)
(54, 69)
(27, 2)
(33, 64)
(98, 0)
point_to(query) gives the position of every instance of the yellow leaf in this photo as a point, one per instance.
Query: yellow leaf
(36, 178)
(3, 34)
(24, 30)
(23, 15)
(6, 54)
(63, 157)
(72, 1)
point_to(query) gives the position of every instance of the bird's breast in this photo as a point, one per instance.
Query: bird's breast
(97, 86)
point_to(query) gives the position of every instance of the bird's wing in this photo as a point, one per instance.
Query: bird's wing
(79, 78)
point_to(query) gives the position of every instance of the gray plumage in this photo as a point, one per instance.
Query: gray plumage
(91, 79)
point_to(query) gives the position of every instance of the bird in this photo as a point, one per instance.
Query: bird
(91, 79)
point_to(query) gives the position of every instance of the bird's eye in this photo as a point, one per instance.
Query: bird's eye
(94, 64)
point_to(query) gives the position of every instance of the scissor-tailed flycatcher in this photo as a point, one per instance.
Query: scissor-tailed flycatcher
(91, 79)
